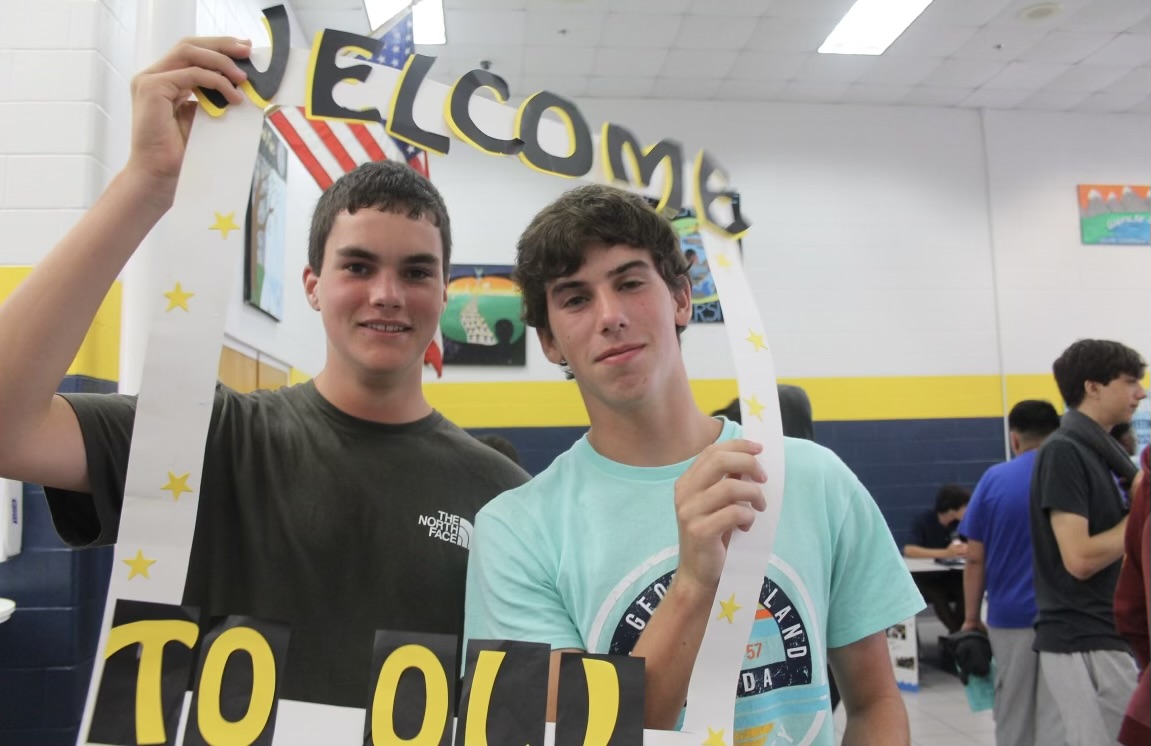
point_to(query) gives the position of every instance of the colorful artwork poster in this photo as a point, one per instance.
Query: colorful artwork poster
(265, 239)
(704, 297)
(1115, 214)
(482, 325)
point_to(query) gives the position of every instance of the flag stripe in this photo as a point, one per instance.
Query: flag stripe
(342, 131)
(371, 147)
(322, 129)
(319, 148)
(292, 138)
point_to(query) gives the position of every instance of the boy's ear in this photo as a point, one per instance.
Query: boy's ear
(548, 343)
(682, 296)
(311, 279)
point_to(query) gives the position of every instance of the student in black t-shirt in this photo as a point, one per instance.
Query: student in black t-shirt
(1078, 520)
(934, 535)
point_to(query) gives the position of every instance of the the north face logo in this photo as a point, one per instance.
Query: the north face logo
(448, 527)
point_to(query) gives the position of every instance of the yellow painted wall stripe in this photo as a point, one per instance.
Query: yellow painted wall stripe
(99, 355)
(558, 404)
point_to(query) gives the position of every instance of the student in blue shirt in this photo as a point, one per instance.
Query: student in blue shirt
(999, 560)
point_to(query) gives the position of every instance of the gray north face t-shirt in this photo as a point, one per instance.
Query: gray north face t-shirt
(336, 525)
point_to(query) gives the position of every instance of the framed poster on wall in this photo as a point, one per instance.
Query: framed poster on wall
(1115, 214)
(265, 239)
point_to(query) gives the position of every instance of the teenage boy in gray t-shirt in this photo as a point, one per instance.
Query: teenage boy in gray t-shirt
(339, 506)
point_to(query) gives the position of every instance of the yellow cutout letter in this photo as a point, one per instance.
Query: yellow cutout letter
(151, 636)
(603, 701)
(215, 729)
(483, 683)
(435, 689)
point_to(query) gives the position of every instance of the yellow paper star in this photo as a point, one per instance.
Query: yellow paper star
(729, 608)
(177, 485)
(724, 262)
(714, 738)
(139, 565)
(178, 298)
(754, 408)
(756, 340)
(224, 224)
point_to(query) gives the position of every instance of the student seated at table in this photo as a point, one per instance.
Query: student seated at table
(934, 535)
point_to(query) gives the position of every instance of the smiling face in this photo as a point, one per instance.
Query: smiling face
(614, 322)
(381, 292)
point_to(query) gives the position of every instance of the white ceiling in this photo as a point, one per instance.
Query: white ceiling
(1090, 55)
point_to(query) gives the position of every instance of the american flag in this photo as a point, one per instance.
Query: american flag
(330, 149)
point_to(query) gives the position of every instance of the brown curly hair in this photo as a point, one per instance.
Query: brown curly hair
(556, 242)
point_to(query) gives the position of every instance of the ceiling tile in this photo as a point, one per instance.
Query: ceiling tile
(506, 59)
(928, 40)
(768, 65)
(813, 92)
(833, 10)
(1143, 27)
(963, 73)
(355, 21)
(994, 98)
(1142, 108)
(962, 12)
(750, 90)
(713, 32)
(1065, 47)
(559, 60)
(1022, 76)
(633, 62)
(868, 93)
(481, 4)
(730, 7)
(1115, 16)
(789, 35)
(898, 70)
(1125, 49)
(1047, 100)
(568, 86)
(923, 95)
(835, 68)
(1110, 102)
(699, 89)
(1000, 43)
(485, 27)
(565, 28)
(651, 6)
(567, 4)
(632, 30)
(693, 64)
(619, 86)
(1136, 81)
(1087, 78)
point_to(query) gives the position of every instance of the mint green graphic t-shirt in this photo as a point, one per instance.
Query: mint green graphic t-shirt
(581, 556)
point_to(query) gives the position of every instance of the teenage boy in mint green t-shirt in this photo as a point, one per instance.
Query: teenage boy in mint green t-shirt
(618, 546)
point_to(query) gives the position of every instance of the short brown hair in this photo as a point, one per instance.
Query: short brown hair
(387, 186)
(1099, 360)
(557, 240)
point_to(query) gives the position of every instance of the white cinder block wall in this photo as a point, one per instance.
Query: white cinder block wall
(64, 67)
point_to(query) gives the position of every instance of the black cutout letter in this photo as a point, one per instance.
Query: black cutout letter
(616, 141)
(460, 119)
(401, 122)
(528, 118)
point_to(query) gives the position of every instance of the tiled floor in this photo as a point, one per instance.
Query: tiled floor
(938, 712)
